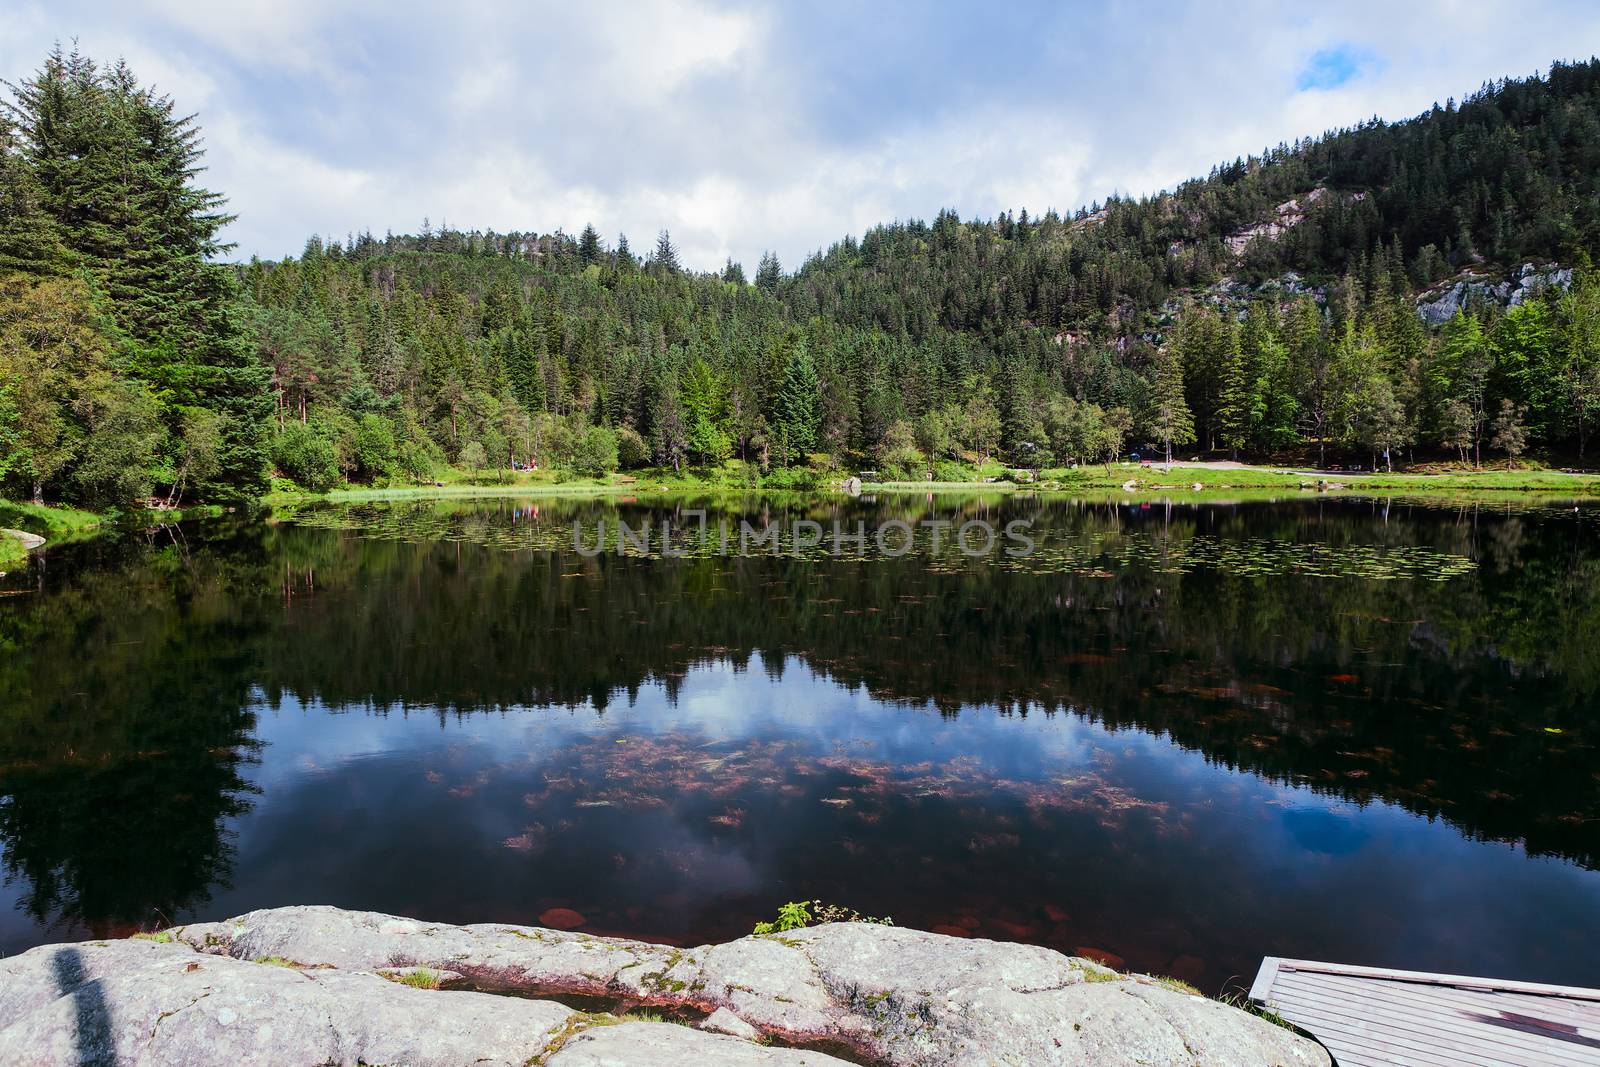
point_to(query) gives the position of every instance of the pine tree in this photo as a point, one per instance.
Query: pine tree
(669, 435)
(665, 258)
(1240, 404)
(30, 238)
(796, 414)
(115, 167)
(769, 273)
(705, 405)
(1170, 422)
(589, 251)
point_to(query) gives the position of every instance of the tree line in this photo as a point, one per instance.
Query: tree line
(134, 363)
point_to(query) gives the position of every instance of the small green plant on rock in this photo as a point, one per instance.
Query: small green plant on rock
(791, 916)
(422, 978)
(796, 915)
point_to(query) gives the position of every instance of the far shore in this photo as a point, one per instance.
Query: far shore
(1190, 482)
(1131, 480)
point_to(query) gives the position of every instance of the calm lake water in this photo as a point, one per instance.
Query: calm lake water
(1189, 736)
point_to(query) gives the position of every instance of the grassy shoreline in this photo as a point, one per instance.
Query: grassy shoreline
(1186, 479)
(1122, 481)
(1129, 479)
(49, 521)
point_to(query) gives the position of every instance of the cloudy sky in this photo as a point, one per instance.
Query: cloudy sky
(742, 127)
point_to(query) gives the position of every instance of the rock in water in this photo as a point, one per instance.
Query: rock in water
(29, 541)
(562, 918)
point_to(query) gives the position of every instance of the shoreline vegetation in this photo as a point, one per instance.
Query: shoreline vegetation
(1131, 479)
(22, 524)
(1195, 482)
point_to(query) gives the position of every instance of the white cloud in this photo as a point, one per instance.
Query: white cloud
(766, 126)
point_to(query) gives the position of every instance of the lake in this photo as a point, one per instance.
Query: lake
(1185, 735)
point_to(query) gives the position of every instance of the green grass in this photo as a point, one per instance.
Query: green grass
(52, 522)
(421, 978)
(1244, 1003)
(46, 521)
(1180, 479)
(1177, 985)
(160, 937)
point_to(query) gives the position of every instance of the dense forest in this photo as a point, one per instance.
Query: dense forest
(1269, 308)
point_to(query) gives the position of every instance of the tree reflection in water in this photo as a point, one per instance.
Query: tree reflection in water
(1439, 660)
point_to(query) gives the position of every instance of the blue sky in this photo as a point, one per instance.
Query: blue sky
(743, 127)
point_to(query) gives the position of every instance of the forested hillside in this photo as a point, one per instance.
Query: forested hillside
(1269, 307)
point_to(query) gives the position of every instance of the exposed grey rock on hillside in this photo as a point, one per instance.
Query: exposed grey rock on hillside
(1440, 305)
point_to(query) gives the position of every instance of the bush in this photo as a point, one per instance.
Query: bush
(596, 451)
(947, 471)
(908, 466)
(373, 448)
(306, 456)
(473, 457)
(792, 478)
(632, 450)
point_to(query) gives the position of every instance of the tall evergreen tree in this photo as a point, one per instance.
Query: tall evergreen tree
(665, 258)
(1170, 421)
(769, 273)
(115, 167)
(796, 414)
(589, 250)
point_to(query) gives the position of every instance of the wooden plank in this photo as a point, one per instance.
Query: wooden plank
(1346, 1045)
(1343, 1025)
(1586, 1026)
(1427, 978)
(1460, 1012)
(1472, 1010)
(1265, 976)
(1361, 1018)
(1382, 1017)
(1421, 1016)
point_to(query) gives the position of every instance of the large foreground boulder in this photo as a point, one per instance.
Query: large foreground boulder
(138, 1002)
(313, 985)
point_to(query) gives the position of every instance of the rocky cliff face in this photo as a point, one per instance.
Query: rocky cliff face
(1439, 305)
(317, 985)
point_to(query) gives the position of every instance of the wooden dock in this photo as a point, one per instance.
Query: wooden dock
(1373, 1017)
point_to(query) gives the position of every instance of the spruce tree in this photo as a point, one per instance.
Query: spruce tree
(665, 258)
(769, 273)
(1170, 421)
(30, 238)
(797, 411)
(115, 168)
(589, 250)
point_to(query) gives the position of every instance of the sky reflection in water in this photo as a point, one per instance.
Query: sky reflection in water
(856, 768)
